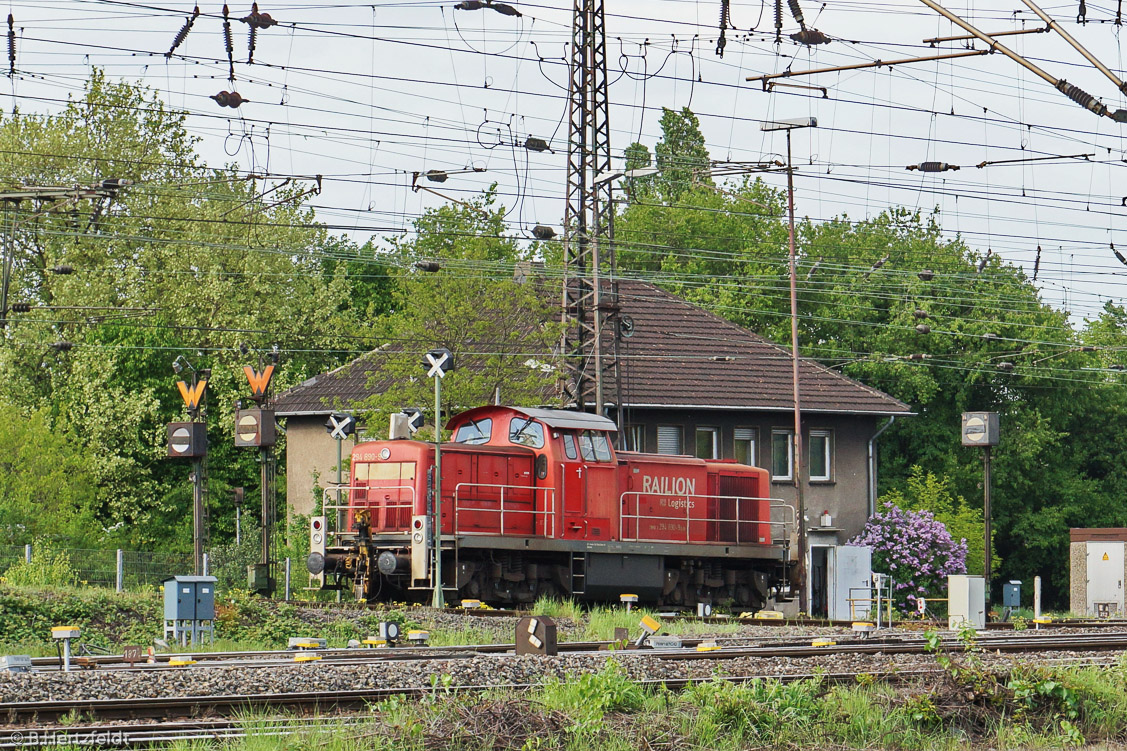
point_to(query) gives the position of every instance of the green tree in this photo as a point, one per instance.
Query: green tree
(46, 489)
(185, 261)
(502, 332)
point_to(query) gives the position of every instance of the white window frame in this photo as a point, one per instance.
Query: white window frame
(715, 433)
(789, 476)
(828, 455)
(752, 438)
(636, 437)
(680, 432)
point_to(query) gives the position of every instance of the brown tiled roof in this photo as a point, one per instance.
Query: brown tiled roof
(678, 355)
(337, 389)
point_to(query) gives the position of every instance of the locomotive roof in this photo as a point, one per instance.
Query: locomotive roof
(553, 418)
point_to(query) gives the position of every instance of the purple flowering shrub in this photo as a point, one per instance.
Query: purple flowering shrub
(915, 549)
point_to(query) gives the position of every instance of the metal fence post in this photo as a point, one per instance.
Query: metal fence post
(206, 563)
(287, 580)
(120, 570)
(27, 553)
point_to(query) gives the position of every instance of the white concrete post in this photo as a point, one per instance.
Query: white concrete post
(287, 579)
(120, 570)
(206, 562)
(1036, 597)
(27, 553)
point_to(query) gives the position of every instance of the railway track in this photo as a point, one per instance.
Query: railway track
(121, 722)
(336, 701)
(728, 647)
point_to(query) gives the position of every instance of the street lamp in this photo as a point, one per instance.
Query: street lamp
(788, 126)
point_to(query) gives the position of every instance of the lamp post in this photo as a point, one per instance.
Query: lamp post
(800, 575)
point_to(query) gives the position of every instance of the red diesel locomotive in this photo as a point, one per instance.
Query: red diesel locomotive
(537, 502)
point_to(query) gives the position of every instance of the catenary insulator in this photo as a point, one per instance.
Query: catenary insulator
(63, 269)
(1081, 97)
(429, 266)
(1006, 367)
(535, 144)
(923, 328)
(436, 175)
(921, 313)
(63, 346)
(796, 11)
(933, 167)
(918, 356)
(11, 45)
(543, 232)
(183, 33)
(778, 21)
(810, 37)
(926, 275)
(230, 99)
(990, 337)
(21, 307)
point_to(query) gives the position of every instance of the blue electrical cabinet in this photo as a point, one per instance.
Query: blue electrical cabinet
(1011, 594)
(189, 598)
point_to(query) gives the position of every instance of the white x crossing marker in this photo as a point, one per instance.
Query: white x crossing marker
(340, 426)
(438, 361)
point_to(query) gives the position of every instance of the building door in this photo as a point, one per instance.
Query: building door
(1105, 578)
(819, 575)
(850, 575)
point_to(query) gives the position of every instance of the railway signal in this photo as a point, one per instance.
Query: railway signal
(340, 426)
(438, 362)
(414, 418)
(981, 429)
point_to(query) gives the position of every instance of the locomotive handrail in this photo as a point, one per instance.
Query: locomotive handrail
(326, 507)
(778, 503)
(548, 513)
(688, 519)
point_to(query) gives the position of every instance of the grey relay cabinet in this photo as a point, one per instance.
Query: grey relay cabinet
(189, 608)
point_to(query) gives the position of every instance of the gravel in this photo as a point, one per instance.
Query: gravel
(483, 670)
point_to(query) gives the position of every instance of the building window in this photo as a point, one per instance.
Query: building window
(821, 455)
(745, 445)
(635, 438)
(708, 443)
(669, 439)
(782, 455)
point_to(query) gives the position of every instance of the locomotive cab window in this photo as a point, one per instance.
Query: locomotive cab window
(524, 431)
(594, 447)
(569, 446)
(474, 431)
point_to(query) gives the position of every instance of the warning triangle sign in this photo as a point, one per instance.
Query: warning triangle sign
(1105, 557)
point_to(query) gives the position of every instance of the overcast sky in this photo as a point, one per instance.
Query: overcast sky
(366, 94)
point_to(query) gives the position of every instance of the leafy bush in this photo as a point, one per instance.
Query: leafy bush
(929, 492)
(49, 567)
(915, 549)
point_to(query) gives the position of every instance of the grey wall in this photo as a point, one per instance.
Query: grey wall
(845, 495)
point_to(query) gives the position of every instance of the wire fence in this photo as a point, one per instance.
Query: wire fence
(131, 570)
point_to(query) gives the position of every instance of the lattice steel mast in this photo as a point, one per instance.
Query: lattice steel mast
(590, 295)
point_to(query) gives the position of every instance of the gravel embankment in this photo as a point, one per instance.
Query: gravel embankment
(478, 671)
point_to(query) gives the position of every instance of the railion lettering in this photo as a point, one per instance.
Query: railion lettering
(669, 485)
